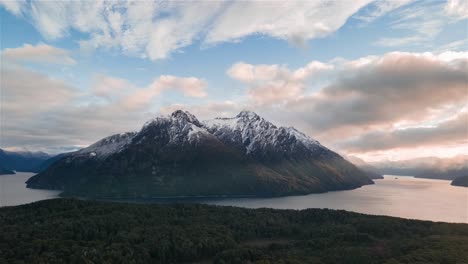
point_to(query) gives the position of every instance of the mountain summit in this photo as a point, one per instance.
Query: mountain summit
(178, 155)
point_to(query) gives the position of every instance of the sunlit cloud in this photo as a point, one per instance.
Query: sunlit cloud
(367, 94)
(40, 53)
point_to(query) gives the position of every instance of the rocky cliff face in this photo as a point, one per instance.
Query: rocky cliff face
(180, 156)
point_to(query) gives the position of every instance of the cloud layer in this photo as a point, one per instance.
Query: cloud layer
(450, 132)
(154, 30)
(365, 103)
(42, 113)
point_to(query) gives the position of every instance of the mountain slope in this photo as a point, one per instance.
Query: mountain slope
(22, 161)
(181, 156)
(46, 163)
(4, 171)
(371, 171)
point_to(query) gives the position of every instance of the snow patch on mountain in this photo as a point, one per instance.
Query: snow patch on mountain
(247, 130)
(107, 146)
(257, 134)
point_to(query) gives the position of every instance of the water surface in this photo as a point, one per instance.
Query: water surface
(13, 190)
(399, 196)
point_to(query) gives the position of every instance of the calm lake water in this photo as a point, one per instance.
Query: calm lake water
(13, 190)
(399, 196)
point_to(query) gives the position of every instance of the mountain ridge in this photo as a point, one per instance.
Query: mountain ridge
(178, 155)
(426, 167)
(24, 161)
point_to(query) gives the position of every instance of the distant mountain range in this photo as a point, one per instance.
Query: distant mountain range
(178, 155)
(428, 167)
(370, 170)
(25, 161)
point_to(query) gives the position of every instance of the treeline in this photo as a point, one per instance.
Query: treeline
(75, 231)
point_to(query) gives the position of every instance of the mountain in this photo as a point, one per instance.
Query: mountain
(371, 171)
(443, 174)
(461, 181)
(427, 167)
(4, 171)
(22, 160)
(178, 155)
(46, 163)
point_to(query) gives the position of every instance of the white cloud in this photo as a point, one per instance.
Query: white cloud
(284, 20)
(454, 45)
(155, 30)
(417, 25)
(40, 53)
(457, 8)
(380, 8)
(13, 6)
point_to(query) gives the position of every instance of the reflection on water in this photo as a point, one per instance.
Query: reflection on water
(13, 190)
(399, 196)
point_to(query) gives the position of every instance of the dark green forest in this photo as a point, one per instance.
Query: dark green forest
(77, 231)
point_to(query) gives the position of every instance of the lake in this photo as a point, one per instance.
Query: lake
(400, 196)
(13, 190)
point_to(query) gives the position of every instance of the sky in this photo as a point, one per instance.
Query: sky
(380, 80)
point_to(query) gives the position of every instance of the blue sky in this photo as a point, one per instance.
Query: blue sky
(110, 59)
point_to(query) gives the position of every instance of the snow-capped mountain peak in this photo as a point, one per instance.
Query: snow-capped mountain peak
(258, 136)
(186, 116)
(249, 132)
(180, 127)
(248, 115)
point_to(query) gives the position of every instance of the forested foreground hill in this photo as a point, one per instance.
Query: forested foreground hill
(75, 231)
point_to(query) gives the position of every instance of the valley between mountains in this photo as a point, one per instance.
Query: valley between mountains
(178, 155)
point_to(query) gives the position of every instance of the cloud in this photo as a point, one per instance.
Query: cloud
(450, 132)
(417, 25)
(457, 8)
(457, 45)
(29, 102)
(189, 86)
(380, 8)
(26, 93)
(40, 53)
(207, 110)
(13, 6)
(395, 87)
(155, 30)
(111, 87)
(271, 84)
(283, 20)
(351, 98)
(43, 113)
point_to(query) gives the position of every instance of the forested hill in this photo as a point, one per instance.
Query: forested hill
(75, 231)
